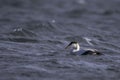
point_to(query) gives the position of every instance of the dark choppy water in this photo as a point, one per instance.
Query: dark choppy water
(33, 34)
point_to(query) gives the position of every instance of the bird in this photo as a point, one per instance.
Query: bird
(79, 51)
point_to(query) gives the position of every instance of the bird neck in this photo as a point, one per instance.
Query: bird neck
(77, 48)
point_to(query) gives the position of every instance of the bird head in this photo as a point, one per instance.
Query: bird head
(74, 45)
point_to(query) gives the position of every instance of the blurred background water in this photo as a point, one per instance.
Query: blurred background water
(34, 33)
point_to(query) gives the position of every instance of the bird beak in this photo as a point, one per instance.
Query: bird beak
(68, 46)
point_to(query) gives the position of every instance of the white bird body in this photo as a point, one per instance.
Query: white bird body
(78, 51)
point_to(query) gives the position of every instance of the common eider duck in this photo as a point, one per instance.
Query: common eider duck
(78, 51)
